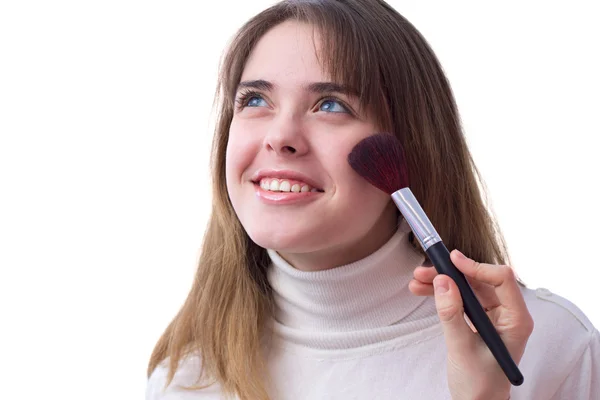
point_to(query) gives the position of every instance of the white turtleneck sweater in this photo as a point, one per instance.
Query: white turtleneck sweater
(357, 332)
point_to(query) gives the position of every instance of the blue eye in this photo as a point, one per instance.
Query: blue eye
(332, 106)
(256, 101)
(249, 99)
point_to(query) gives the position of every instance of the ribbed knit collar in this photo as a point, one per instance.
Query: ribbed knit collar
(365, 295)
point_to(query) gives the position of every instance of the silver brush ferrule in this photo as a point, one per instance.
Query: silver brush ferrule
(416, 218)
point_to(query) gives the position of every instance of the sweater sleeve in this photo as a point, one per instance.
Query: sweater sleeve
(583, 382)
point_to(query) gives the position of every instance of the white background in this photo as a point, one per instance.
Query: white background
(105, 125)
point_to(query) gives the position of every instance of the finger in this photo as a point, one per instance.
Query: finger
(459, 337)
(485, 293)
(501, 277)
(420, 289)
(425, 274)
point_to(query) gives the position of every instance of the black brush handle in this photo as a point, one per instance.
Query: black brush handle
(440, 257)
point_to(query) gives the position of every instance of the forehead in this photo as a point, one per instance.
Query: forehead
(287, 54)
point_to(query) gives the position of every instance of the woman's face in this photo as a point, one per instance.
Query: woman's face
(287, 172)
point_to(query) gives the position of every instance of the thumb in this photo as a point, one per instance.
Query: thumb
(451, 313)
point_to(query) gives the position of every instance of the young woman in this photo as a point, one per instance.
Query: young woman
(310, 284)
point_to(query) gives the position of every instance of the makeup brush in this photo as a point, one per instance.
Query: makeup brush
(380, 160)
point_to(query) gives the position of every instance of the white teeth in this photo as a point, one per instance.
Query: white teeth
(275, 185)
(284, 186)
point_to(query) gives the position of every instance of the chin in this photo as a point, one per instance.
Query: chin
(283, 239)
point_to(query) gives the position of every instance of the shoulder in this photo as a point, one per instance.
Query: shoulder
(561, 329)
(186, 375)
(562, 335)
(556, 317)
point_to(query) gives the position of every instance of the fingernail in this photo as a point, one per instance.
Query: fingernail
(440, 285)
(460, 255)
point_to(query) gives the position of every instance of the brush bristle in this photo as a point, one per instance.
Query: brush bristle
(380, 160)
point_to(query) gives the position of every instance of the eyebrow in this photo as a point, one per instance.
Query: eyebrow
(315, 87)
(258, 84)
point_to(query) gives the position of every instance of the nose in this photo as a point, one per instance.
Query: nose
(286, 136)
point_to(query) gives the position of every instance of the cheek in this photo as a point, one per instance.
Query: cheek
(335, 161)
(242, 147)
(352, 188)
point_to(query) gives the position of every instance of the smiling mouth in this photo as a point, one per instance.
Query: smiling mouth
(285, 186)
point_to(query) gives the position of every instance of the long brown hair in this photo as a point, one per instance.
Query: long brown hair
(372, 48)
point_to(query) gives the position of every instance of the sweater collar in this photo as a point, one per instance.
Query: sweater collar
(369, 293)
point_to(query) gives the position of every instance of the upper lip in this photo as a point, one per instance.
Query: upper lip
(284, 174)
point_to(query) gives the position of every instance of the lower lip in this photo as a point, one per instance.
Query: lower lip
(284, 197)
